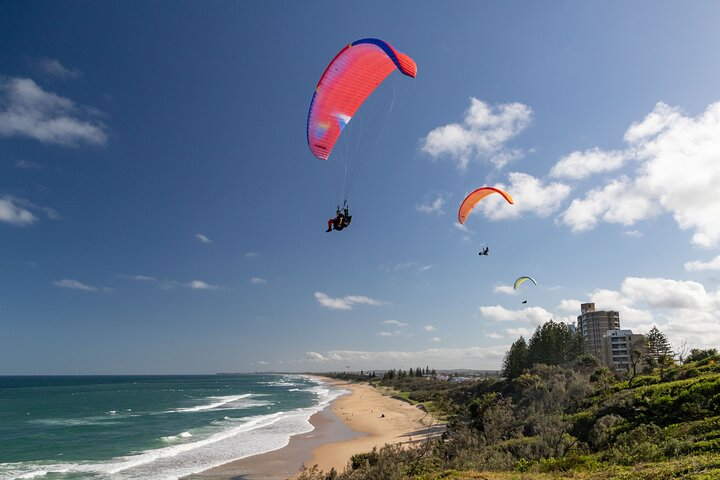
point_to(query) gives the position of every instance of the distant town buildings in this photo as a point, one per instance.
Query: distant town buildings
(594, 324)
(621, 349)
(617, 349)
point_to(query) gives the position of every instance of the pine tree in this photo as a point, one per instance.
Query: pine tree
(551, 344)
(578, 346)
(658, 345)
(515, 359)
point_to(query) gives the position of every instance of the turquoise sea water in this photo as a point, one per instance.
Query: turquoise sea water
(147, 427)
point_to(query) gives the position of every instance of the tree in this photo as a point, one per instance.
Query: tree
(658, 344)
(697, 354)
(682, 351)
(551, 344)
(637, 353)
(516, 359)
(578, 346)
(659, 350)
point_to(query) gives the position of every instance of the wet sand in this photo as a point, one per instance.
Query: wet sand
(287, 461)
(354, 423)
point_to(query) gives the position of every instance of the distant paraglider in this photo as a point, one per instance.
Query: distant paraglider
(522, 280)
(471, 200)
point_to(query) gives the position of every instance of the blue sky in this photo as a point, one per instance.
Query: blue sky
(160, 211)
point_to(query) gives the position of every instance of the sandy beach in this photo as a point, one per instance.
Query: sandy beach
(354, 423)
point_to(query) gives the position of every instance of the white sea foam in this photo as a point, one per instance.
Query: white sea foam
(74, 422)
(175, 438)
(223, 442)
(226, 401)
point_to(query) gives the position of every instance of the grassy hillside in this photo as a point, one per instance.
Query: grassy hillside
(573, 421)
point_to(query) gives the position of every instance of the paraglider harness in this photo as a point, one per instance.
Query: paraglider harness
(342, 218)
(484, 251)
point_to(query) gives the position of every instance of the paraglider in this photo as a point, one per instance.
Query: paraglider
(350, 78)
(355, 72)
(484, 251)
(471, 200)
(522, 280)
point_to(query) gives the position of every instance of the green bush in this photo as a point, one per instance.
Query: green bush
(569, 463)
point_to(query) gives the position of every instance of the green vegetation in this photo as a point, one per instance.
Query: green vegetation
(556, 413)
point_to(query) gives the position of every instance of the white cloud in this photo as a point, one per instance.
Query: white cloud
(570, 306)
(140, 278)
(699, 266)
(263, 362)
(28, 165)
(506, 289)
(482, 135)
(429, 328)
(633, 233)
(470, 357)
(200, 285)
(678, 174)
(672, 294)
(345, 303)
(433, 207)
(18, 211)
(14, 214)
(520, 331)
(436, 339)
(258, 281)
(417, 267)
(660, 119)
(74, 285)
(202, 238)
(579, 165)
(530, 196)
(493, 335)
(616, 202)
(252, 255)
(315, 356)
(162, 284)
(532, 315)
(56, 69)
(29, 111)
(395, 333)
(396, 323)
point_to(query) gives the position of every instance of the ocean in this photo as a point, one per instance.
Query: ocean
(148, 427)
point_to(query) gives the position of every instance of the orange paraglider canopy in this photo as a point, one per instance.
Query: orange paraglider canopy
(471, 200)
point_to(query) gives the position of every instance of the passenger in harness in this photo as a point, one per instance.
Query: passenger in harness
(341, 220)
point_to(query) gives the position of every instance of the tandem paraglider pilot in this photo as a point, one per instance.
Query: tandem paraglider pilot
(341, 220)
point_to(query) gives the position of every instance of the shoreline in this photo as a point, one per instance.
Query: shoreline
(353, 423)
